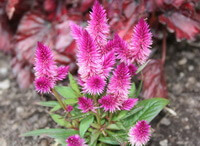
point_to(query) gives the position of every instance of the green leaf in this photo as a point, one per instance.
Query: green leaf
(60, 134)
(85, 124)
(94, 136)
(66, 92)
(60, 120)
(71, 101)
(151, 109)
(142, 67)
(55, 108)
(113, 127)
(108, 140)
(81, 115)
(73, 84)
(132, 92)
(139, 89)
(49, 103)
(133, 111)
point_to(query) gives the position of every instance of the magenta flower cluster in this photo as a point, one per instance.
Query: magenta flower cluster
(105, 70)
(107, 66)
(46, 71)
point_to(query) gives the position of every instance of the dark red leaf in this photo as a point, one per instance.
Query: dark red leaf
(185, 27)
(10, 7)
(154, 84)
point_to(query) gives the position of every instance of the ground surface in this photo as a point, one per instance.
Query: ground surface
(19, 113)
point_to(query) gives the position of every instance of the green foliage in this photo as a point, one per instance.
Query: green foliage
(66, 92)
(58, 134)
(151, 109)
(132, 91)
(73, 84)
(85, 124)
(60, 120)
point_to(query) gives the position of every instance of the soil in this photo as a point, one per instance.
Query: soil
(178, 125)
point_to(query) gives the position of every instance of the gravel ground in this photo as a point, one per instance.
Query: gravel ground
(20, 114)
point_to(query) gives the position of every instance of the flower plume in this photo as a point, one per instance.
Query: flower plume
(86, 104)
(46, 72)
(75, 140)
(94, 85)
(109, 103)
(129, 104)
(139, 134)
(120, 82)
(141, 41)
(98, 27)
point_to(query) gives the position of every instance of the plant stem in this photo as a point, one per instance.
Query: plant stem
(57, 96)
(97, 114)
(110, 118)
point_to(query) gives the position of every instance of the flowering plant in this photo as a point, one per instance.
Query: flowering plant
(102, 108)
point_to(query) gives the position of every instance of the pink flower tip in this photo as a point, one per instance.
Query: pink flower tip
(62, 72)
(141, 41)
(43, 84)
(69, 108)
(129, 104)
(109, 103)
(94, 85)
(75, 140)
(86, 104)
(132, 69)
(139, 134)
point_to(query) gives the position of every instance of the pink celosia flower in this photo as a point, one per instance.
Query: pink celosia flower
(139, 134)
(75, 140)
(69, 108)
(94, 85)
(111, 45)
(46, 71)
(141, 41)
(129, 104)
(120, 82)
(109, 103)
(98, 27)
(108, 63)
(124, 53)
(62, 72)
(132, 69)
(44, 84)
(86, 104)
(88, 58)
(44, 62)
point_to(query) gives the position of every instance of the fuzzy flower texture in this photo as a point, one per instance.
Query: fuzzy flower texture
(105, 69)
(46, 71)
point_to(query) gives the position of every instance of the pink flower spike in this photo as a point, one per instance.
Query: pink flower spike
(141, 41)
(122, 49)
(86, 104)
(62, 72)
(44, 62)
(43, 84)
(120, 82)
(76, 31)
(109, 103)
(94, 85)
(75, 140)
(132, 69)
(69, 108)
(108, 63)
(98, 26)
(129, 104)
(139, 134)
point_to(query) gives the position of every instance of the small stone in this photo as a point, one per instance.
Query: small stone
(181, 74)
(3, 71)
(190, 67)
(4, 84)
(44, 142)
(165, 121)
(183, 61)
(164, 142)
(3, 141)
(191, 80)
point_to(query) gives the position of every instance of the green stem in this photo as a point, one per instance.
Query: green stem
(110, 118)
(97, 114)
(57, 96)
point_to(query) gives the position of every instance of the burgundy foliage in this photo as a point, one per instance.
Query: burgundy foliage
(25, 22)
